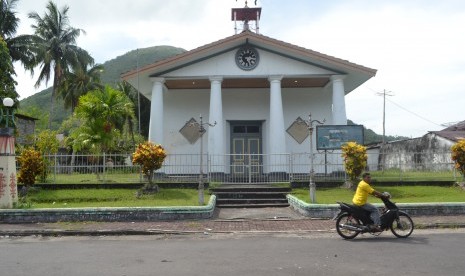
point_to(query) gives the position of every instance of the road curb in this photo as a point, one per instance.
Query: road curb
(151, 232)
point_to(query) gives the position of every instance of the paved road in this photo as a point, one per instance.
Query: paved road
(225, 220)
(426, 252)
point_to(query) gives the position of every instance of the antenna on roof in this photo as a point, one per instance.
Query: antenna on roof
(245, 15)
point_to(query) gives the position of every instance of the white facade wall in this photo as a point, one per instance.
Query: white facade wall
(179, 106)
(240, 104)
(243, 104)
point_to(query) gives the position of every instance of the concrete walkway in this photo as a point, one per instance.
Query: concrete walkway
(260, 220)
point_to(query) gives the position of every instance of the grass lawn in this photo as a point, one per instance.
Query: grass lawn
(400, 194)
(118, 176)
(72, 198)
(87, 178)
(397, 175)
(78, 198)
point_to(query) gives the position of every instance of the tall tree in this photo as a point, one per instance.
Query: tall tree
(132, 94)
(18, 46)
(141, 107)
(102, 114)
(54, 47)
(8, 20)
(78, 82)
(7, 83)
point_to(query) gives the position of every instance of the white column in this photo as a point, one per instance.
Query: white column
(277, 139)
(339, 105)
(216, 141)
(156, 112)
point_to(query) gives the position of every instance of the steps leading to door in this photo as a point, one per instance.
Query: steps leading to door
(250, 196)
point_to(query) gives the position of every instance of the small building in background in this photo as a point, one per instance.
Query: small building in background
(431, 151)
(25, 129)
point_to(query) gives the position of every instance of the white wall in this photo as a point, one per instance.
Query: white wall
(240, 104)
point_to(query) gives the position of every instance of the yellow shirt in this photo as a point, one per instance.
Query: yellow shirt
(362, 192)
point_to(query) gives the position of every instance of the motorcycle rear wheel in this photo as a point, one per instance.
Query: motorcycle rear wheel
(403, 226)
(346, 219)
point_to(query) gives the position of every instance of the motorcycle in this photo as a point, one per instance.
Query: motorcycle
(353, 220)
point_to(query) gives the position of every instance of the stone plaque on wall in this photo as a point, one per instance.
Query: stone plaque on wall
(298, 130)
(190, 131)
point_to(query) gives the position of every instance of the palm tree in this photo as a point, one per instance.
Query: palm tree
(17, 45)
(8, 20)
(54, 47)
(78, 82)
(140, 102)
(103, 114)
(7, 83)
(132, 94)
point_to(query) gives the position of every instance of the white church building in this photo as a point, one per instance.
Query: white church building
(256, 93)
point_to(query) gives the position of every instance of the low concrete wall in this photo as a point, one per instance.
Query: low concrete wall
(198, 212)
(414, 209)
(108, 214)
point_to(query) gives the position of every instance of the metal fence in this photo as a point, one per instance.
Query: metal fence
(245, 168)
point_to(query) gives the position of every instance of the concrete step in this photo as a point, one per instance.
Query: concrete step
(251, 196)
(250, 200)
(260, 205)
(249, 188)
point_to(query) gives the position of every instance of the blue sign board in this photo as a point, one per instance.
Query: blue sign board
(330, 137)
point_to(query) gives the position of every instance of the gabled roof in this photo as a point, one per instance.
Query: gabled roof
(454, 132)
(460, 126)
(450, 135)
(25, 117)
(260, 41)
(355, 75)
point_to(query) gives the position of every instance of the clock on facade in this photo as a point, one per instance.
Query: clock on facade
(247, 58)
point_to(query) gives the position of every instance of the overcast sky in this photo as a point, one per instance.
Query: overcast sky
(417, 46)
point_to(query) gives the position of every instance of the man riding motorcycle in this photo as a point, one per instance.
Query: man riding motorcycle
(360, 199)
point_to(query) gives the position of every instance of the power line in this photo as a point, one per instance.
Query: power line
(405, 109)
(411, 112)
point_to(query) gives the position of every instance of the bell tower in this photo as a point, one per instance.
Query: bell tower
(246, 15)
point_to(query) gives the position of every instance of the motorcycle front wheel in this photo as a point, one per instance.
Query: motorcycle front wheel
(402, 227)
(346, 219)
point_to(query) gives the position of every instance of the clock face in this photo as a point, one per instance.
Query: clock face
(247, 58)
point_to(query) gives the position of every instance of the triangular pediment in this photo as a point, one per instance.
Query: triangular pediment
(269, 63)
(276, 58)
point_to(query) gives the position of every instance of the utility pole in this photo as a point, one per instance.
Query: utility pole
(383, 143)
(384, 94)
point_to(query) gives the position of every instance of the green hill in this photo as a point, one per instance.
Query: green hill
(127, 62)
(39, 104)
(370, 137)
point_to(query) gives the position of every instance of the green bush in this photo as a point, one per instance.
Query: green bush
(458, 156)
(31, 165)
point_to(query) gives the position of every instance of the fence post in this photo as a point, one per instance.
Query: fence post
(291, 167)
(209, 169)
(103, 167)
(400, 168)
(249, 166)
(54, 171)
